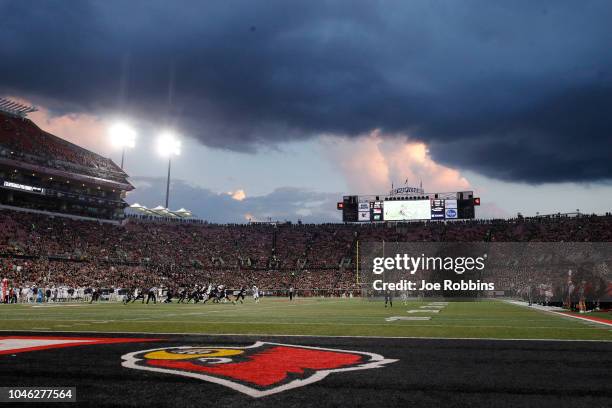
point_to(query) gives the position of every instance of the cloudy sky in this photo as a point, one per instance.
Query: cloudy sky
(283, 107)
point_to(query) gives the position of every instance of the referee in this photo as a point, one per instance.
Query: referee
(151, 295)
(291, 293)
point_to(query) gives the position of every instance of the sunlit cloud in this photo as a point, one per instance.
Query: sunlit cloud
(238, 195)
(371, 163)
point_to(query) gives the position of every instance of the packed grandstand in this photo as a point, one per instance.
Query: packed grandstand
(55, 252)
(41, 171)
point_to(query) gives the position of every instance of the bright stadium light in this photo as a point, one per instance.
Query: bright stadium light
(168, 145)
(122, 136)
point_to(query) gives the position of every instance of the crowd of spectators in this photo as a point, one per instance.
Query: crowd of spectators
(37, 249)
(22, 140)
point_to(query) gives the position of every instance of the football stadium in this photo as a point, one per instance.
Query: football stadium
(119, 288)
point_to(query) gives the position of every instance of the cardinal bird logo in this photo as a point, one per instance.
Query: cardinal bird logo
(258, 370)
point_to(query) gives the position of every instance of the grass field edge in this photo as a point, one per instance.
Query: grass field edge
(300, 335)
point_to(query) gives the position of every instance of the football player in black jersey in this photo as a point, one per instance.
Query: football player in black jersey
(240, 295)
(388, 298)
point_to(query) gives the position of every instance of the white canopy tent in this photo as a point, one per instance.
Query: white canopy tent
(161, 211)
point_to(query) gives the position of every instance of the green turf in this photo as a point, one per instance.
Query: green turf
(310, 316)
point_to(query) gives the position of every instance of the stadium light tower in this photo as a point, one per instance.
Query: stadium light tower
(122, 136)
(168, 145)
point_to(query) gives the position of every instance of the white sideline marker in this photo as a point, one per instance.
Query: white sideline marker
(423, 311)
(432, 307)
(393, 318)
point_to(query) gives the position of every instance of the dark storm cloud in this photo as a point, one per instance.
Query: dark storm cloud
(514, 90)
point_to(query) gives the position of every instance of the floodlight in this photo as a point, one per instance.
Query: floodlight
(122, 135)
(168, 145)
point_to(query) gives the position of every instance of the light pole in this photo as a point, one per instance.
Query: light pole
(167, 146)
(122, 136)
(168, 181)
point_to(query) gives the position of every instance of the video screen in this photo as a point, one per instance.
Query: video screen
(407, 210)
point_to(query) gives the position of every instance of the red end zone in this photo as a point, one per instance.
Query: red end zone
(22, 344)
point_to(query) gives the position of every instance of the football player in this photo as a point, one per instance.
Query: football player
(388, 298)
(182, 295)
(240, 295)
(255, 294)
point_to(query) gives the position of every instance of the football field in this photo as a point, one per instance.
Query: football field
(307, 317)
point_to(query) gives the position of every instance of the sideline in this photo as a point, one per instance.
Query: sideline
(559, 312)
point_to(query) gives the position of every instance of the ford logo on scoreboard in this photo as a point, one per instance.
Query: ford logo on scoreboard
(451, 213)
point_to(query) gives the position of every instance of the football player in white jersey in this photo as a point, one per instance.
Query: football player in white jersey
(255, 294)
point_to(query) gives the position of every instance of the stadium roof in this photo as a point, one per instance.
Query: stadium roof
(15, 108)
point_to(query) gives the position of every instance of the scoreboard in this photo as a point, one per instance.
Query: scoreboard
(439, 206)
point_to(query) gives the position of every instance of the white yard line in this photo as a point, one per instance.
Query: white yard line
(250, 323)
(583, 318)
(557, 311)
(312, 336)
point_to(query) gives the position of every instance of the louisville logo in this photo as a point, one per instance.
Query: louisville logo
(257, 370)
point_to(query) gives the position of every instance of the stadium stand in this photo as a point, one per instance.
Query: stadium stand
(41, 171)
(36, 249)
